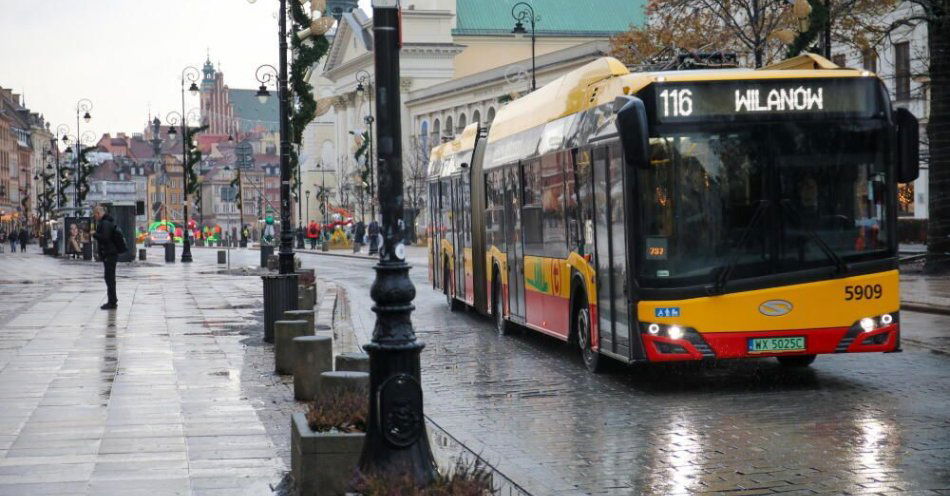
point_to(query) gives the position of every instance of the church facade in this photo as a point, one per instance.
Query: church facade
(234, 112)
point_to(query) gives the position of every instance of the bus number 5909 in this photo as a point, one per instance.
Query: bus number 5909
(865, 292)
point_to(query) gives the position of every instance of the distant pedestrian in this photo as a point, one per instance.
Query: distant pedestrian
(24, 237)
(359, 234)
(3, 238)
(111, 244)
(14, 238)
(373, 232)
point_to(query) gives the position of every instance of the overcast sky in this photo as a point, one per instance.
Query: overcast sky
(127, 55)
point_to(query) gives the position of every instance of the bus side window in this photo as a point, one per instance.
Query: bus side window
(531, 219)
(583, 233)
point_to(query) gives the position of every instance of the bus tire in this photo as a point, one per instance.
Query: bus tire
(796, 361)
(582, 329)
(454, 304)
(502, 327)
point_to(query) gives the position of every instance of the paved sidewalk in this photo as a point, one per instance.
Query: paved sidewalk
(166, 395)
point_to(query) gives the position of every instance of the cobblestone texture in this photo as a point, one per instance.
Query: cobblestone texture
(854, 424)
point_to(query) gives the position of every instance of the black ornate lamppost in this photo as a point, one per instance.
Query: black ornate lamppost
(521, 12)
(87, 137)
(83, 106)
(396, 439)
(265, 75)
(364, 85)
(188, 75)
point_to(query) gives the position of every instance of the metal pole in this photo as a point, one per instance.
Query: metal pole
(534, 83)
(186, 242)
(396, 440)
(78, 168)
(299, 233)
(286, 258)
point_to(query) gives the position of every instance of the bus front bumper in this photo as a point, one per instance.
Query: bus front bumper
(695, 345)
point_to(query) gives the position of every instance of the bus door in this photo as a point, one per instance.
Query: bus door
(515, 249)
(457, 226)
(613, 307)
(461, 228)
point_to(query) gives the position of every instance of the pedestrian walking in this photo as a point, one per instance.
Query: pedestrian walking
(24, 238)
(14, 238)
(373, 232)
(313, 232)
(359, 233)
(3, 238)
(111, 244)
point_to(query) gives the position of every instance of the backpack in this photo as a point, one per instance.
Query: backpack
(118, 239)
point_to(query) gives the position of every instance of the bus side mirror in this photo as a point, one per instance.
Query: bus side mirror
(632, 127)
(908, 146)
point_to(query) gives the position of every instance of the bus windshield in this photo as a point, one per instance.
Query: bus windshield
(761, 198)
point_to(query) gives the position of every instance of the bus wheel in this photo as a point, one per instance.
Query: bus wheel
(796, 361)
(498, 312)
(582, 326)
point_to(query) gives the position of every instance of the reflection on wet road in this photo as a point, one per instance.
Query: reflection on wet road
(862, 424)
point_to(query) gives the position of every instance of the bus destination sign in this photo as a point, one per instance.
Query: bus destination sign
(726, 100)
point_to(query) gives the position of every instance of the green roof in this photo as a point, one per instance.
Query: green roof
(580, 18)
(250, 113)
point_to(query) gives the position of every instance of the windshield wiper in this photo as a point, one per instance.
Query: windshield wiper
(841, 267)
(725, 272)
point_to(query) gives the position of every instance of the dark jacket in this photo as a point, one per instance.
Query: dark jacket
(105, 232)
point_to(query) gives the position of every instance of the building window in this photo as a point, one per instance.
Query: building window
(462, 123)
(902, 70)
(491, 114)
(869, 60)
(477, 117)
(449, 130)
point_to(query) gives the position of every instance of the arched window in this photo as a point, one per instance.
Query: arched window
(462, 123)
(436, 132)
(477, 117)
(449, 130)
(424, 135)
(491, 114)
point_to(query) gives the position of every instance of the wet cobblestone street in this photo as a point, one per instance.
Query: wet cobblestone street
(857, 424)
(173, 396)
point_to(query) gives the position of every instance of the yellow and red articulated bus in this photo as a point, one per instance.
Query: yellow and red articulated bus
(684, 215)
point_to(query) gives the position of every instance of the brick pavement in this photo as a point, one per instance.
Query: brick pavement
(851, 424)
(166, 395)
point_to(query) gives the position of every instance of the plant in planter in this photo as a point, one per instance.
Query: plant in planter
(465, 479)
(326, 442)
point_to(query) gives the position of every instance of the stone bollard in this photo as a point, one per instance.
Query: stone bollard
(222, 257)
(142, 253)
(352, 362)
(313, 355)
(284, 333)
(308, 315)
(306, 298)
(334, 383)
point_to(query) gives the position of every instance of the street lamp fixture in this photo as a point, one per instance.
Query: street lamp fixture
(265, 74)
(263, 94)
(172, 133)
(523, 11)
(86, 117)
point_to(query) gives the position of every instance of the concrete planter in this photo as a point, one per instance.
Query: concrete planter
(322, 463)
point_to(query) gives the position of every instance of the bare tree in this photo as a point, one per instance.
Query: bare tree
(416, 167)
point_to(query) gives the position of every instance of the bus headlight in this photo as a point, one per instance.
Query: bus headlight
(654, 329)
(887, 319)
(867, 324)
(675, 332)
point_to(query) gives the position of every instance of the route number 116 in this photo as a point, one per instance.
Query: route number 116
(681, 102)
